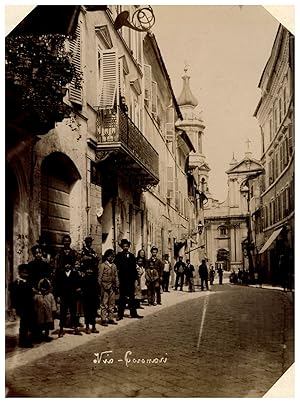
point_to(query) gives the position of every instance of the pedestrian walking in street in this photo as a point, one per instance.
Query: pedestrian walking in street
(67, 289)
(138, 284)
(179, 269)
(109, 283)
(126, 266)
(220, 274)
(45, 309)
(90, 296)
(211, 275)
(203, 273)
(21, 293)
(159, 267)
(189, 275)
(166, 273)
(152, 282)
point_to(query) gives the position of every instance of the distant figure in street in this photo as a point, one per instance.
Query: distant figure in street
(152, 282)
(22, 302)
(126, 266)
(159, 267)
(166, 273)
(109, 283)
(220, 274)
(189, 275)
(203, 273)
(211, 275)
(179, 269)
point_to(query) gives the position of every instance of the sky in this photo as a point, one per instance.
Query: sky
(226, 49)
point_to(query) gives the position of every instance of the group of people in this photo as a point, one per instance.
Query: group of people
(77, 284)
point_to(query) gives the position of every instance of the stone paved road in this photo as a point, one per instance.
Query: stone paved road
(246, 344)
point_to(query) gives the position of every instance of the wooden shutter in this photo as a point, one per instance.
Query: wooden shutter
(170, 183)
(109, 79)
(75, 94)
(121, 78)
(177, 202)
(170, 128)
(147, 82)
(154, 97)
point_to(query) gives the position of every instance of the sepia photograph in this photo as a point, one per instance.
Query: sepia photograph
(149, 201)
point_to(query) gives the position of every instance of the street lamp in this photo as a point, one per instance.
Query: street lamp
(245, 191)
(200, 227)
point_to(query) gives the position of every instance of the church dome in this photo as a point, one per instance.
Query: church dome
(186, 97)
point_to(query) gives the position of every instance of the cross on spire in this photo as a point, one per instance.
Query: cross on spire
(248, 141)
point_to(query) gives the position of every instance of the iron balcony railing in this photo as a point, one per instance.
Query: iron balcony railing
(115, 128)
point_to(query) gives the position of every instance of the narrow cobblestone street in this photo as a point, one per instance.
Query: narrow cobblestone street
(239, 349)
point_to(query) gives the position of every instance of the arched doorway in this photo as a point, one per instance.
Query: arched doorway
(58, 177)
(222, 259)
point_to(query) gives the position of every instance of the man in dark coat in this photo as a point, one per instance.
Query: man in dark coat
(179, 269)
(159, 267)
(189, 275)
(126, 266)
(22, 302)
(203, 273)
(90, 285)
(67, 289)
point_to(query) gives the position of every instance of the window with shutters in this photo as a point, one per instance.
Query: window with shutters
(170, 182)
(154, 97)
(109, 79)
(177, 197)
(280, 110)
(75, 93)
(170, 124)
(284, 101)
(290, 134)
(121, 76)
(148, 83)
(281, 157)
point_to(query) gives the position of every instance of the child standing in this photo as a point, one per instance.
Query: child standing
(22, 302)
(109, 284)
(45, 308)
(138, 286)
(152, 282)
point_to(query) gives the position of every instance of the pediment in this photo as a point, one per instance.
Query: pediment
(103, 33)
(204, 167)
(246, 166)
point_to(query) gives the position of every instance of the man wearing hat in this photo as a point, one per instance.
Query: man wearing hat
(126, 265)
(159, 267)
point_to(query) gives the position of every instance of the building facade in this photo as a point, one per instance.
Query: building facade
(227, 223)
(118, 165)
(275, 116)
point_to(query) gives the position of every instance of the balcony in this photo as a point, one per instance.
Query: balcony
(119, 139)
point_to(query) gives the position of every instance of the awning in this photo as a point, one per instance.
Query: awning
(270, 240)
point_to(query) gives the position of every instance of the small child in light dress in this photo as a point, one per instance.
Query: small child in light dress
(45, 308)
